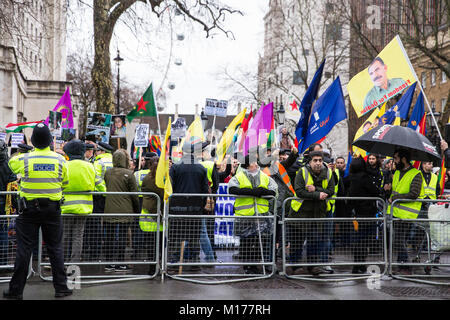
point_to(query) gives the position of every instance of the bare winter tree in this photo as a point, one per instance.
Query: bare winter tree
(25, 25)
(106, 14)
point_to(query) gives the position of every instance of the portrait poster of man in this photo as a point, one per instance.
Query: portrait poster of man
(98, 127)
(55, 123)
(388, 75)
(118, 126)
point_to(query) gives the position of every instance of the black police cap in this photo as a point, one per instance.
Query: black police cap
(105, 147)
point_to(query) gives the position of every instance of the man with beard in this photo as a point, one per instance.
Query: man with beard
(407, 183)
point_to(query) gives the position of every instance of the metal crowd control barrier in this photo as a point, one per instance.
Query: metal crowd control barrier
(334, 242)
(110, 247)
(8, 245)
(422, 245)
(247, 253)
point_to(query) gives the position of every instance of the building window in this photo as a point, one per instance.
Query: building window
(334, 32)
(433, 105)
(443, 77)
(433, 78)
(424, 79)
(298, 77)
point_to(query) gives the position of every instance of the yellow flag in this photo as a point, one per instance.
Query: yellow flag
(195, 132)
(228, 135)
(162, 177)
(368, 125)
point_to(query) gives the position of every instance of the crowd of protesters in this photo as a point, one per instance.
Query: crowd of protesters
(314, 176)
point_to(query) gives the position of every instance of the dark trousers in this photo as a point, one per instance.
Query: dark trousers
(181, 230)
(313, 233)
(48, 218)
(116, 235)
(363, 240)
(3, 242)
(93, 230)
(401, 234)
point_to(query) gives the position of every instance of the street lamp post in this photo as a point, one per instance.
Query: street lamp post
(118, 59)
(281, 114)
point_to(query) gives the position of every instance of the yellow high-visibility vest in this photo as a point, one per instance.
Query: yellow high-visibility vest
(82, 177)
(406, 210)
(43, 172)
(430, 189)
(246, 206)
(296, 204)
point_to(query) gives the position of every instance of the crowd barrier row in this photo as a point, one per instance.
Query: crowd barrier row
(213, 249)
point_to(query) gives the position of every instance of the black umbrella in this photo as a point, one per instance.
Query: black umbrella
(386, 139)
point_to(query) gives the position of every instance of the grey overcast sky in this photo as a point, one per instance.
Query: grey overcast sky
(202, 58)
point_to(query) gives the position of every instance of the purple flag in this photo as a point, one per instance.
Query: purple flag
(260, 127)
(64, 106)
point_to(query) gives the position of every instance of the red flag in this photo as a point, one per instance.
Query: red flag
(421, 128)
(244, 127)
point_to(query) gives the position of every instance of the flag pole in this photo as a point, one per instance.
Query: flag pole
(420, 85)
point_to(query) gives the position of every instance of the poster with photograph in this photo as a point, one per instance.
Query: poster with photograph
(141, 136)
(118, 126)
(55, 123)
(178, 129)
(215, 107)
(16, 139)
(66, 135)
(98, 127)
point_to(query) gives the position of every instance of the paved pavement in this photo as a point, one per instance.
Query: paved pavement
(275, 288)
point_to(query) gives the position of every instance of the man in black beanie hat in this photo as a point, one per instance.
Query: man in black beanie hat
(43, 175)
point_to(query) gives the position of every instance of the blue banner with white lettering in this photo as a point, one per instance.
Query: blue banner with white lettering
(223, 230)
(327, 112)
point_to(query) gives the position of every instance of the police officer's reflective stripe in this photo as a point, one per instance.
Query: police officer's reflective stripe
(41, 191)
(69, 203)
(65, 183)
(25, 164)
(98, 181)
(44, 180)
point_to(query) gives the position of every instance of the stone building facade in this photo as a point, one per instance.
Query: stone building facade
(298, 35)
(32, 60)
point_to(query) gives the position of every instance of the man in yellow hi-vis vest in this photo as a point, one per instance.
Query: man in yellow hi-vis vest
(315, 184)
(82, 178)
(44, 173)
(407, 183)
(250, 181)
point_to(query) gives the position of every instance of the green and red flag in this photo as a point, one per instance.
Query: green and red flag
(17, 127)
(146, 107)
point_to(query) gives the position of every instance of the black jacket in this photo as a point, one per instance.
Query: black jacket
(362, 186)
(188, 176)
(6, 176)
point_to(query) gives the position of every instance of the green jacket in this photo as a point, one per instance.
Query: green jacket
(120, 179)
(312, 207)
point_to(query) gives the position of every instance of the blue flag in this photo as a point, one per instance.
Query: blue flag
(401, 109)
(306, 104)
(347, 168)
(329, 110)
(417, 113)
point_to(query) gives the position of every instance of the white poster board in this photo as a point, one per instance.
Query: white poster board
(16, 139)
(141, 136)
(215, 107)
(3, 136)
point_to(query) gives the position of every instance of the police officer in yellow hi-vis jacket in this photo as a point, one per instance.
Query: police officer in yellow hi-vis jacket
(252, 182)
(44, 173)
(407, 183)
(82, 178)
